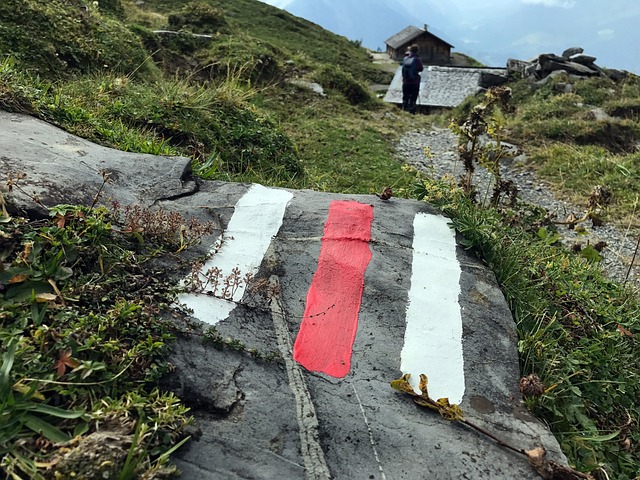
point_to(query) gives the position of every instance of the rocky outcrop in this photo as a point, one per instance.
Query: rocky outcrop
(572, 62)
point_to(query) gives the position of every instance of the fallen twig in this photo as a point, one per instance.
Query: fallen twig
(547, 469)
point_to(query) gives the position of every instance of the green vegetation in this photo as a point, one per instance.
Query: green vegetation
(58, 37)
(84, 344)
(578, 330)
(82, 354)
(465, 60)
(575, 328)
(585, 138)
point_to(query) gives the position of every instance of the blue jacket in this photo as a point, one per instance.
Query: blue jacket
(417, 67)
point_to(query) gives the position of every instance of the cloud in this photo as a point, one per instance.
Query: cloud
(606, 34)
(532, 40)
(552, 3)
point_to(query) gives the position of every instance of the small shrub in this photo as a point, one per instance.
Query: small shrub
(596, 90)
(334, 78)
(244, 57)
(199, 17)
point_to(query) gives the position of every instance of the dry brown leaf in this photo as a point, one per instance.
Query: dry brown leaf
(624, 331)
(65, 360)
(550, 470)
(19, 278)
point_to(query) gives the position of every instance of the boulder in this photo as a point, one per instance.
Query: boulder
(570, 67)
(488, 80)
(544, 57)
(517, 67)
(569, 52)
(555, 74)
(583, 59)
(615, 75)
(563, 87)
(262, 413)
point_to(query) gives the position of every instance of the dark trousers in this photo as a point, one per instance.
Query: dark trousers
(410, 93)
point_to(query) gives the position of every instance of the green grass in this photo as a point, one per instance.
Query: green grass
(573, 148)
(57, 38)
(307, 43)
(574, 170)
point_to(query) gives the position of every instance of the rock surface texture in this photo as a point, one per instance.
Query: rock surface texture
(262, 414)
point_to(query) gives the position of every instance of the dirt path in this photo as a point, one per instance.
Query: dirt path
(443, 144)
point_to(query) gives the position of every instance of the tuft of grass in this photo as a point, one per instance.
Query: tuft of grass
(334, 78)
(199, 17)
(575, 170)
(58, 38)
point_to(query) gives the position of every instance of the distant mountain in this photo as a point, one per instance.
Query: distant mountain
(492, 31)
(372, 21)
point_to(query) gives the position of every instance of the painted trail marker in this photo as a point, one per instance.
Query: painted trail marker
(256, 220)
(433, 338)
(325, 340)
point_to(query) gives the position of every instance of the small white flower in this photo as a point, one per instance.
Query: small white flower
(95, 4)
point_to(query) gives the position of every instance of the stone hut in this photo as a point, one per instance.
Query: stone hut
(433, 50)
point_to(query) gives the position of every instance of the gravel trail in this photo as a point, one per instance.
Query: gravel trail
(616, 257)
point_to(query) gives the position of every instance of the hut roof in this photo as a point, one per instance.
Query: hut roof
(411, 33)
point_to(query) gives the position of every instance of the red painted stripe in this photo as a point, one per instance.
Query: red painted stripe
(325, 340)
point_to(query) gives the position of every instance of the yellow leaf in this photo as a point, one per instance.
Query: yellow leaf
(24, 389)
(402, 385)
(448, 411)
(423, 383)
(45, 297)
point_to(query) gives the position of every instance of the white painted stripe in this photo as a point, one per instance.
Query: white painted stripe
(257, 217)
(433, 338)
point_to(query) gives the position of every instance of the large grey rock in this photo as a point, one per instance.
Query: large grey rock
(550, 77)
(583, 59)
(570, 67)
(263, 416)
(546, 57)
(616, 75)
(569, 52)
(488, 80)
(63, 168)
(517, 67)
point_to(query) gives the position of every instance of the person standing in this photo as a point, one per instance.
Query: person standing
(411, 68)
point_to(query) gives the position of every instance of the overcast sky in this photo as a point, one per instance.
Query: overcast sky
(494, 30)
